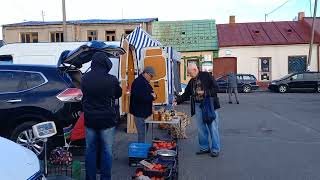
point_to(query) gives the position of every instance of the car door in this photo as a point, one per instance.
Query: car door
(222, 83)
(296, 82)
(240, 82)
(12, 85)
(311, 82)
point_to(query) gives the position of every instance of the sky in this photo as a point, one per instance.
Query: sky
(14, 11)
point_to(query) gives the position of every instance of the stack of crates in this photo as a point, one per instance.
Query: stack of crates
(138, 152)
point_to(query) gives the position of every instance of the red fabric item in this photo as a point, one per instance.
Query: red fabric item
(78, 131)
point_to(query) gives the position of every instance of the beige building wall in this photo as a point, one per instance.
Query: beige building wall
(247, 57)
(74, 32)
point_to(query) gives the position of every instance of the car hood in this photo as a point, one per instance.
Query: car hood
(84, 53)
(17, 162)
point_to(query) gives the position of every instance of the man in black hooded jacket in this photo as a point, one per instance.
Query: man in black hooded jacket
(100, 89)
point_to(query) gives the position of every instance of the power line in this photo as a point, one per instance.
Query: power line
(267, 14)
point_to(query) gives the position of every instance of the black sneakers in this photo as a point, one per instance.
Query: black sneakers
(202, 152)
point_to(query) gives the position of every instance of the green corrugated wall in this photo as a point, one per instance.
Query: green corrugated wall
(187, 36)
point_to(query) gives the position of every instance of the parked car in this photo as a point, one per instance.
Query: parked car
(246, 83)
(303, 81)
(30, 94)
(18, 162)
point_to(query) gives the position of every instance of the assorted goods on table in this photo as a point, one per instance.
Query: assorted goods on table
(177, 130)
(156, 161)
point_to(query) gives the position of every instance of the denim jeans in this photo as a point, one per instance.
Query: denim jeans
(140, 128)
(205, 130)
(105, 137)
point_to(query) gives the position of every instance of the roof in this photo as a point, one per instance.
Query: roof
(187, 36)
(308, 21)
(88, 21)
(264, 33)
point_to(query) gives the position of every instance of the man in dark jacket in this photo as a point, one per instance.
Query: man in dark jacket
(100, 89)
(141, 99)
(200, 86)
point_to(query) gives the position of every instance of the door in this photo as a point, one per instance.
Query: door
(222, 83)
(159, 83)
(265, 69)
(297, 82)
(223, 66)
(311, 80)
(12, 85)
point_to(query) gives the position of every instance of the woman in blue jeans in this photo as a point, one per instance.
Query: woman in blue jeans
(200, 86)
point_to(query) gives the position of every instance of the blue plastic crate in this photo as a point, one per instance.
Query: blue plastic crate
(138, 150)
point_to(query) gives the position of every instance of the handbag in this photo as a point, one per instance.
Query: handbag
(207, 108)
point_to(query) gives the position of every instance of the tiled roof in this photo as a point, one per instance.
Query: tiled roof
(89, 21)
(264, 33)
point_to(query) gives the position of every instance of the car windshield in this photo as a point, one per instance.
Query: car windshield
(286, 76)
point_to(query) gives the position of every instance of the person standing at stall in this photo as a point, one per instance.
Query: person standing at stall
(201, 86)
(100, 90)
(141, 98)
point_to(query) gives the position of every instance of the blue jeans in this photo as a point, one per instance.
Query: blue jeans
(205, 130)
(140, 128)
(105, 137)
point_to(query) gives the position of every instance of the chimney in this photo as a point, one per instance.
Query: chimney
(301, 16)
(232, 19)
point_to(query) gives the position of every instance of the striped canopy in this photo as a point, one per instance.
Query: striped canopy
(139, 39)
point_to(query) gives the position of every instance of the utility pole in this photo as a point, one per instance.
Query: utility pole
(65, 39)
(42, 14)
(312, 33)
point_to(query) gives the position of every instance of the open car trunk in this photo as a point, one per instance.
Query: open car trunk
(71, 61)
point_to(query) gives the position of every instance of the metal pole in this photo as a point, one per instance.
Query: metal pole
(64, 21)
(312, 33)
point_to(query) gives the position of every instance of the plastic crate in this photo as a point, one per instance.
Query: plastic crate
(138, 150)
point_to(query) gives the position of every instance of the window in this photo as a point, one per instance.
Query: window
(110, 35)
(92, 35)
(6, 59)
(297, 77)
(247, 77)
(127, 32)
(311, 76)
(297, 64)
(56, 36)
(29, 37)
(11, 81)
(34, 80)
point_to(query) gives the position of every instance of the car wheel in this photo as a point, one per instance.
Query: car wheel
(283, 88)
(24, 136)
(246, 89)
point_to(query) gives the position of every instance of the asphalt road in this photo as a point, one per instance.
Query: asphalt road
(268, 136)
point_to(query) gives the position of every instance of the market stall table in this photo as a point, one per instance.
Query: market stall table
(176, 120)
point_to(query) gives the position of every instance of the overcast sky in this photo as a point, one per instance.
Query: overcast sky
(13, 11)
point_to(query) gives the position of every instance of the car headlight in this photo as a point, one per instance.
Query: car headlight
(273, 83)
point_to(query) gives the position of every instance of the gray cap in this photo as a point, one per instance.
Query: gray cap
(149, 70)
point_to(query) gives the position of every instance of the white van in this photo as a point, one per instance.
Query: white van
(45, 53)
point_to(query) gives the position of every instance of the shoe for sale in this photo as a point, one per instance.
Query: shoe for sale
(202, 152)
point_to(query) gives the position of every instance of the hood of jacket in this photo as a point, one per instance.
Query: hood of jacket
(101, 62)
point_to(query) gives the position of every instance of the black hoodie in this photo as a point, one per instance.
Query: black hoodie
(100, 89)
